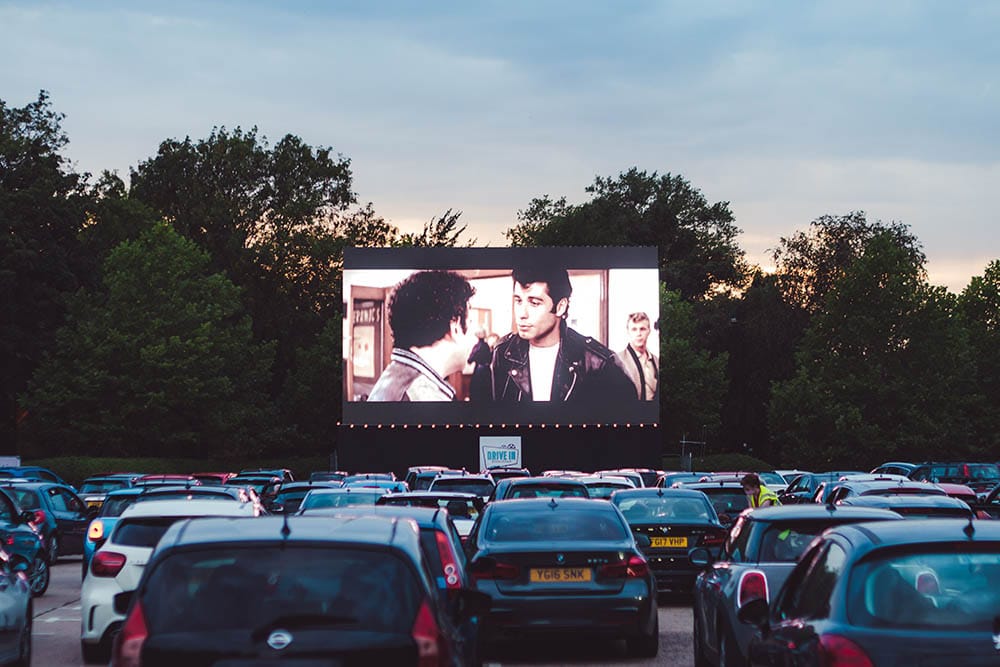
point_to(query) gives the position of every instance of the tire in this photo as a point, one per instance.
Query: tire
(24, 647)
(52, 547)
(700, 659)
(39, 575)
(646, 645)
(99, 653)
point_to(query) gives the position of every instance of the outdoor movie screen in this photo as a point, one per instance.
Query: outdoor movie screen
(501, 336)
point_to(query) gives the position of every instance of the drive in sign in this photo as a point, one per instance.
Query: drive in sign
(499, 452)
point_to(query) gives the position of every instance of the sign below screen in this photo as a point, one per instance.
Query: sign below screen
(500, 452)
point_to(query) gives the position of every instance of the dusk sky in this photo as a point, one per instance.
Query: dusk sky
(788, 110)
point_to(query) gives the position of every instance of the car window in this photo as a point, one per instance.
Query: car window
(811, 598)
(114, 506)
(546, 491)
(315, 501)
(784, 543)
(554, 526)
(661, 509)
(145, 532)
(26, 498)
(7, 512)
(57, 500)
(330, 588)
(736, 542)
(102, 485)
(727, 501)
(73, 504)
(478, 487)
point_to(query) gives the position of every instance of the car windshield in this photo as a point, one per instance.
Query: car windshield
(519, 526)
(603, 490)
(727, 501)
(771, 478)
(956, 588)
(549, 491)
(115, 505)
(479, 487)
(664, 509)
(102, 486)
(26, 499)
(319, 500)
(291, 587)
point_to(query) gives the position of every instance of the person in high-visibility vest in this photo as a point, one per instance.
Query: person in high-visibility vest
(758, 494)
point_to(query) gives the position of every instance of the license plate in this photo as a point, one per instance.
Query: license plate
(94, 503)
(559, 575)
(668, 542)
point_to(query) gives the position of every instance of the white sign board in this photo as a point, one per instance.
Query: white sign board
(499, 451)
(10, 461)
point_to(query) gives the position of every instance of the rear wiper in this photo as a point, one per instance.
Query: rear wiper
(291, 621)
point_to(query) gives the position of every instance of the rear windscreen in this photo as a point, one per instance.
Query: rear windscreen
(295, 588)
(102, 486)
(26, 500)
(477, 487)
(515, 526)
(655, 509)
(315, 501)
(145, 532)
(549, 491)
(604, 490)
(115, 505)
(727, 501)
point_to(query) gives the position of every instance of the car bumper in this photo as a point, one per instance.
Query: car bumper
(97, 612)
(626, 614)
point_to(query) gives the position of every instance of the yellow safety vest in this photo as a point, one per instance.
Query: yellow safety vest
(764, 495)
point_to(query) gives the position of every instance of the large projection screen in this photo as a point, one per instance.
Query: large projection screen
(448, 336)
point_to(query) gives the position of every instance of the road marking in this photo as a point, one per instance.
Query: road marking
(56, 619)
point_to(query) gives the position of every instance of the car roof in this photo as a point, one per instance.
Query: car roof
(452, 495)
(375, 490)
(540, 481)
(909, 500)
(367, 529)
(889, 533)
(425, 517)
(130, 491)
(879, 484)
(551, 504)
(808, 511)
(703, 486)
(194, 507)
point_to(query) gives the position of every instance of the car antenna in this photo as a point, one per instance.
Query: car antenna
(286, 530)
(969, 529)
(552, 503)
(659, 492)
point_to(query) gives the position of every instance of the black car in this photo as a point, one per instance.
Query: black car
(60, 516)
(668, 524)
(888, 593)
(728, 498)
(538, 487)
(290, 590)
(803, 488)
(290, 495)
(566, 564)
(980, 477)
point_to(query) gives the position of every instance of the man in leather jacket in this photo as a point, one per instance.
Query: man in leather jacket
(544, 359)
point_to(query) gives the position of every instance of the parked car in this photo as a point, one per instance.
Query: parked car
(840, 491)
(213, 477)
(563, 564)
(422, 479)
(914, 506)
(60, 517)
(634, 477)
(803, 488)
(760, 552)
(343, 497)
(667, 480)
(507, 473)
(648, 475)
(481, 485)
(284, 474)
(325, 590)
(21, 542)
(463, 508)
(102, 525)
(895, 468)
(16, 610)
(668, 525)
(539, 487)
(327, 476)
(118, 565)
(35, 473)
(413, 471)
(980, 477)
(602, 486)
(886, 593)
(167, 479)
(94, 489)
(727, 498)
(290, 495)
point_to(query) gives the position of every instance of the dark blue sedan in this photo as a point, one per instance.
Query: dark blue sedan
(891, 593)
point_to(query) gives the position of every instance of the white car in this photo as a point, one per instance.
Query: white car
(117, 566)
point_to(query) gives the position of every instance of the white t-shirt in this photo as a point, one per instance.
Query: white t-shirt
(542, 363)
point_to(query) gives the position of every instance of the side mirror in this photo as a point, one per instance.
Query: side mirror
(754, 613)
(700, 557)
(122, 602)
(643, 541)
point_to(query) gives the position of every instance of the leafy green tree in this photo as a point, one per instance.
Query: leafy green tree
(694, 380)
(112, 217)
(442, 232)
(42, 209)
(161, 362)
(312, 397)
(696, 240)
(979, 305)
(884, 369)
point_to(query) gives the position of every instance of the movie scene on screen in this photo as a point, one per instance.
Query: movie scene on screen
(501, 335)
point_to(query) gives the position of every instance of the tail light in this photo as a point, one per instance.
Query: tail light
(128, 645)
(490, 568)
(96, 530)
(633, 567)
(107, 564)
(712, 539)
(753, 586)
(39, 518)
(837, 651)
(427, 636)
(448, 560)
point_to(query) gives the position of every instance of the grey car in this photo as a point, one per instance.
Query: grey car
(759, 553)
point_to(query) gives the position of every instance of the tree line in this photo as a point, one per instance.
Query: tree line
(197, 310)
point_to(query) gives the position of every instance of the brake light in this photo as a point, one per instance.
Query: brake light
(107, 564)
(39, 518)
(753, 586)
(427, 636)
(96, 530)
(128, 645)
(9, 540)
(713, 539)
(837, 651)
(489, 568)
(448, 560)
(632, 568)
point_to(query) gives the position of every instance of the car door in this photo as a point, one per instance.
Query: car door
(71, 517)
(717, 587)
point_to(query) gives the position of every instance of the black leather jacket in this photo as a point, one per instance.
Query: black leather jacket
(586, 371)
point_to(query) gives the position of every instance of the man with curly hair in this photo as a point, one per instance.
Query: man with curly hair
(428, 315)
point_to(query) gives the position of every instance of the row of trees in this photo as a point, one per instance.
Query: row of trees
(197, 311)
